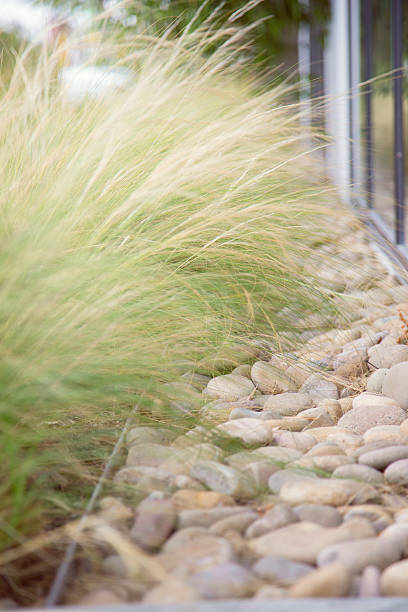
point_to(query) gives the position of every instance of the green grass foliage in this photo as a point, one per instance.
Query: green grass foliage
(142, 236)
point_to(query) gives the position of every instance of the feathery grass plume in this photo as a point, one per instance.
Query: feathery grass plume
(142, 236)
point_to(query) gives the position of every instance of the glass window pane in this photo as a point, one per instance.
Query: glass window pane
(382, 114)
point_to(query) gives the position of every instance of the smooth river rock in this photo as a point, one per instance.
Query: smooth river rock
(395, 384)
(319, 388)
(250, 431)
(326, 491)
(187, 499)
(358, 555)
(155, 520)
(373, 399)
(288, 404)
(280, 478)
(390, 433)
(370, 582)
(325, 448)
(148, 455)
(376, 379)
(331, 581)
(380, 458)
(279, 516)
(183, 537)
(183, 459)
(326, 463)
(381, 356)
(279, 454)
(304, 541)
(397, 533)
(327, 516)
(357, 471)
(144, 478)
(155, 435)
(346, 440)
(270, 591)
(171, 591)
(229, 387)
(197, 555)
(269, 379)
(224, 479)
(238, 523)
(397, 472)
(394, 582)
(301, 441)
(280, 570)
(360, 419)
(243, 413)
(206, 518)
(224, 581)
(260, 472)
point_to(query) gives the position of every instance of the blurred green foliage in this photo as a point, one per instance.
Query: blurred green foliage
(10, 43)
(272, 19)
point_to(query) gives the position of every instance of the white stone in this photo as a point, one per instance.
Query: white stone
(394, 581)
(359, 554)
(330, 491)
(288, 404)
(395, 384)
(224, 479)
(375, 380)
(319, 388)
(331, 581)
(304, 541)
(250, 431)
(391, 433)
(360, 419)
(380, 458)
(397, 472)
(380, 356)
(302, 441)
(270, 379)
(373, 399)
(229, 387)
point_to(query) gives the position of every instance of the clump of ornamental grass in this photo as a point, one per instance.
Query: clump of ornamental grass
(153, 232)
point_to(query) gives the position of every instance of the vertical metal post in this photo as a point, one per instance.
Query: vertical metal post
(304, 70)
(355, 80)
(368, 74)
(316, 69)
(396, 33)
(337, 87)
(350, 101)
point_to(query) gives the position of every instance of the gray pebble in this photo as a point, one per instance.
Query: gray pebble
(395, 384)
(155, 520)
(382, 457)
(148, 455)
(319, 388)
(280, 570)
(280, 478)
(327, 516)
(375, 381)
(362, 418)
(279, 516)
(359, 472)
(397, 472)
(224, 581)
(241, 413)
(370, 582)
(360, 554)
(206, 518)
(238, 523)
